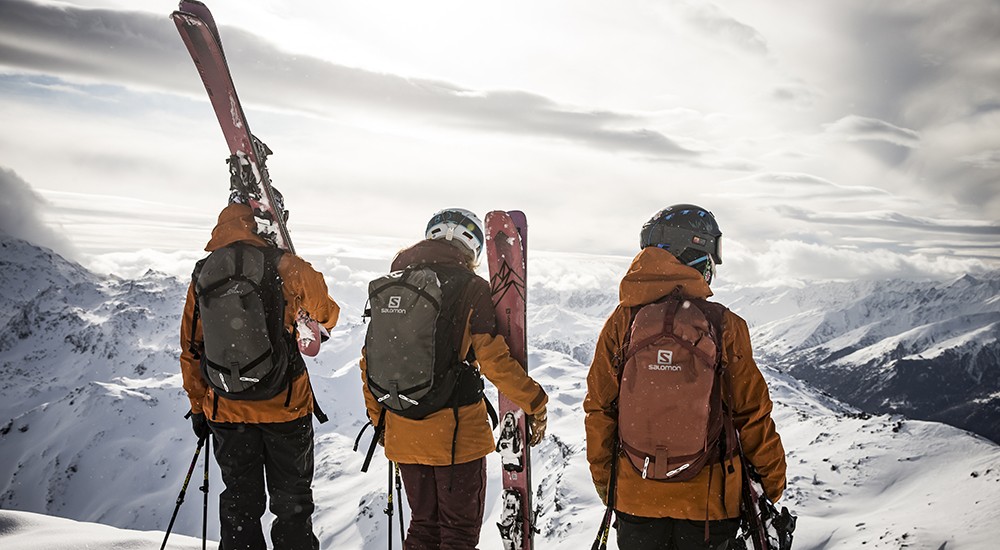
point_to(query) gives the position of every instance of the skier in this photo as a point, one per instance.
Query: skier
(680, 247)
(264, 440)
(442, 455)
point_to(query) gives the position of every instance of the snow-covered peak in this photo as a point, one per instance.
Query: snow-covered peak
(91, 422)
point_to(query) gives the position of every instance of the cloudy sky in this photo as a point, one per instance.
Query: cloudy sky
(831, 139)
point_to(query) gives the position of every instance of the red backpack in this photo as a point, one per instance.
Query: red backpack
(670, 412)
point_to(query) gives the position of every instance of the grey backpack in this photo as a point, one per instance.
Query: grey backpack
(247, 354)
(418, 318)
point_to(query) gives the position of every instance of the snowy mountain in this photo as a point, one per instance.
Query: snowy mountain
(926, 350)
(91, 425)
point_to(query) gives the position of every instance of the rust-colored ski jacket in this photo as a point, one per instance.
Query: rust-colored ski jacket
(655, 273)
(429, 441)
(303, 288)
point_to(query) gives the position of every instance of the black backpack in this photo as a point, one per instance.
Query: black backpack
(417, 323)
(247, 353)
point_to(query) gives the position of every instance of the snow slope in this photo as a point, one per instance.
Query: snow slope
(928, 350)
(91, 424)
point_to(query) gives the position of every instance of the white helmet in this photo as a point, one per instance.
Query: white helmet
(457, 224)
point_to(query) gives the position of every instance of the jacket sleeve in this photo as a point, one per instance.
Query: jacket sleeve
(751, 404)
(306, 290)
(493, 354)
(194, 385)
(601, 420)
(372, 406)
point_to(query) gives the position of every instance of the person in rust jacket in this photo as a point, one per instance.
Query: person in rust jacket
(266, 442)
(444, 471)
(680, 247)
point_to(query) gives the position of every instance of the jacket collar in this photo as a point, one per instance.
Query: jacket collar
(236, 224)
(430, 252)
(655, 273)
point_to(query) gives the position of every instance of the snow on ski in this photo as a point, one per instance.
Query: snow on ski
(248, 155)
(506, 234)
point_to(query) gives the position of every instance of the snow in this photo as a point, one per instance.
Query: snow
(93, 435)
(30, 531)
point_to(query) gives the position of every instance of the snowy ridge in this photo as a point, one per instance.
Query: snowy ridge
(928, 350)
(91, 427)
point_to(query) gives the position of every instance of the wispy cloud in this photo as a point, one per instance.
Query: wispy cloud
(140, 49)
(798, 185)
(891, 219)
(986, 160)
(859, 128)
(715, 22)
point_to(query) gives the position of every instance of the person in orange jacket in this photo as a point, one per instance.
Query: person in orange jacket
(442, 456)
(265, 442)
(679, 251)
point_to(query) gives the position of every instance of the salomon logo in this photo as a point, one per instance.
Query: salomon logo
(664, 361)
(233, 291)
(393, 305)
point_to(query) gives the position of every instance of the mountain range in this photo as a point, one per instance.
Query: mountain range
(92, 428)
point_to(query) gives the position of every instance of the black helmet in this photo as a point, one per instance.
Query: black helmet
(688, 232)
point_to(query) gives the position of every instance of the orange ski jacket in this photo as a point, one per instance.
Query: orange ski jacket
(428, 441)
(655, 273)
(302, 286)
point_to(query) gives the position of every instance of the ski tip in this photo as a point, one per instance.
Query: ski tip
(183, 17)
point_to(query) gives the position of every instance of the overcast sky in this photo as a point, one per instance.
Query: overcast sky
(831, 139)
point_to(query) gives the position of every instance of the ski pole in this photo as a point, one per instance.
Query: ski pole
(399, 497)
(204, 489)
(180, 496)
(388, 507)
(601, 542)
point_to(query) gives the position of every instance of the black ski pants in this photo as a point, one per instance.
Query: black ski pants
(280, 457)
(447, 504)
(639, 533)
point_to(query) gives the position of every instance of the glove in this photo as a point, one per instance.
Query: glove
(602, 491)
(200, 425)
(536, 426)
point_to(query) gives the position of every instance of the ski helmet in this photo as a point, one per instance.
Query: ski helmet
(688, 232)
(458, 224)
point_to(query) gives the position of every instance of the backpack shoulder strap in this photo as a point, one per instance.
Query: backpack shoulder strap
(716, 315)
(197, 309)
(620, 357)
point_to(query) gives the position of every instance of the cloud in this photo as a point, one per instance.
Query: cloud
(801, 96)
(812, 261)
(859, 128)
(891, 219)
(801, 186)
(144, 50)
(21, 215)
(986, 160)
(712, 20)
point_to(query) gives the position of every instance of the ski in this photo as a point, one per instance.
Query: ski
(506, 237)
(248, 155)
(761, 523)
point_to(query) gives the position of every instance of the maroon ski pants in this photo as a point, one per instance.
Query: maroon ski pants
(446, 505)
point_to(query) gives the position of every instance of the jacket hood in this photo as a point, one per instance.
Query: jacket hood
(236, 224)
(430, 251)
(655, 273)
